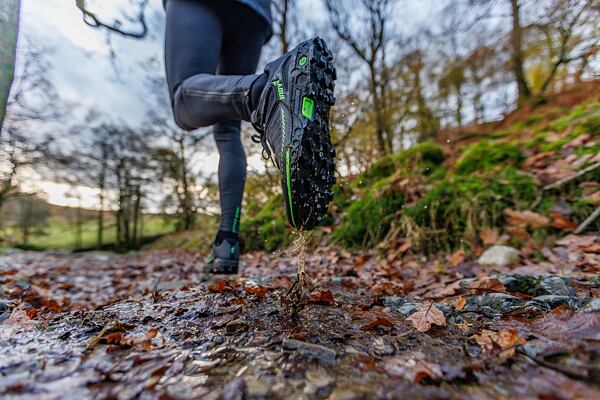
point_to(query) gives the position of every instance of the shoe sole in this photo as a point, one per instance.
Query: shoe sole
(308, 173)
(227, 267)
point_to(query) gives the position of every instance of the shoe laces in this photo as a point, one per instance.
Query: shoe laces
(261, 138)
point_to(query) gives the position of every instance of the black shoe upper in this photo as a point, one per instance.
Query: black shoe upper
(224, 258)
(292, 118)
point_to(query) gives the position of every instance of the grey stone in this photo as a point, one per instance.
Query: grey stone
(318, 384)
(592, 305)
(234, 390)
(494, 303)
(500, 255)
(554, 301)
(556, 285)
(382, 347)
(317, 352)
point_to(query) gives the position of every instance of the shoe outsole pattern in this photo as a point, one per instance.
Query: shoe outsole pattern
(312, 153)
(218, 266)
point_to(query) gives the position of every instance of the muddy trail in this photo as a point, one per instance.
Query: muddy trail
(149, 325)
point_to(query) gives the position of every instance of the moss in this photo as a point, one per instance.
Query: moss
(453, 211)
(368, 220)
(484, 156)
(268, 229)
(591, 124)
(423, 158)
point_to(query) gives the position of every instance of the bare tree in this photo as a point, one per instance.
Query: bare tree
(9, 28)
(116, 25)
(368, 41)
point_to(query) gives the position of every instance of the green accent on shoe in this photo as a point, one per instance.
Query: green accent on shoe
(211, 258)
(289, 185)
(308, 107)
(232, 250)
(302, 61)
(235, 219)
(280, 90)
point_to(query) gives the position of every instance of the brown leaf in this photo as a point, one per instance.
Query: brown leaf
(324, 296)
(151, 334)
(377, 322)
(114, 338)
(413, 367)
(487, 284)
(505, 340)
(457, 257)
(592, 248)
(427, 315)
(404, 247)
(563, 223)
(525, 218)
(259, 291)
(459, 303)
(32, 313)
(489, 236)
(220, 286)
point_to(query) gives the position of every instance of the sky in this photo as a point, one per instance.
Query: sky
(85, 77)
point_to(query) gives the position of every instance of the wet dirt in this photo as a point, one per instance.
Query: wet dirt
(146, 326)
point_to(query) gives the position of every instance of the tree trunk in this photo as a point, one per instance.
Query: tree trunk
(9, 29)
(517, 56)
(379, 124)
(79, 227)
(136, 216)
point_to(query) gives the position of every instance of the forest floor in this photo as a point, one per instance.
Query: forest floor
(149, 325)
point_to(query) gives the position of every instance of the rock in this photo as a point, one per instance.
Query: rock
(256, 389)
(591, 306)
(400, 304)
(554, 301)
(318, 384)
(236, 325)
(556, 285)
(502, 256)
(234, 390)
(494, 304)
(319, 353)
(382, 347)
(520, 283)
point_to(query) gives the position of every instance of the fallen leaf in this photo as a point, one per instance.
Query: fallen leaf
(563, 223)
(259, 291)
(114, 338)
(413, 367)
(425, 316)
(489, 236)
(220, 286)
(32, 313)
(592, 248)
(594, 198)
(404, 247)
(324, 296)
(457, 257)
(459, 303)
(487, 284)
(505, 341)
(525, 218)
(377, 322)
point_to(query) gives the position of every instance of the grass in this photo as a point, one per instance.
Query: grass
(62, 235)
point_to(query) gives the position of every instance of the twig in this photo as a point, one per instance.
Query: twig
(588, 221)
(561, 182)
(569, 178)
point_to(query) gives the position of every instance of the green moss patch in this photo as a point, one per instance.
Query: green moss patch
(484, 156)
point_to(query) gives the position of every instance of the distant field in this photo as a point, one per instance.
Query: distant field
(58, 234)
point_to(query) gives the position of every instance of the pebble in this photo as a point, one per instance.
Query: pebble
(320, 353)
(500, 255)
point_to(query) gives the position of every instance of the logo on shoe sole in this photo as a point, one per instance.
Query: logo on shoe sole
(279, 87)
